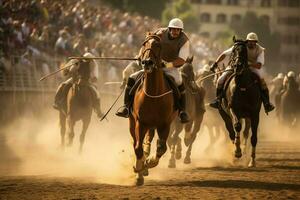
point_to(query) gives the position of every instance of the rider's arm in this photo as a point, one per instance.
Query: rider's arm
(184, 53)
(221, 57)
(260, 61)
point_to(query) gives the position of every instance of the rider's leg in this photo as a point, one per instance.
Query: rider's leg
(220, 83)
(96, 101)
(264, 91)
(173, 72)
(265, 97)
(124, 110)
(61, 94)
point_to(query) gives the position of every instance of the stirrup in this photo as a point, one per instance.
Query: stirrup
(124, 112)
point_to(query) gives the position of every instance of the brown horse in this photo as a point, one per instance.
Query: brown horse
(212, 120)
(195, 108)
(78, 106)
(153, 107)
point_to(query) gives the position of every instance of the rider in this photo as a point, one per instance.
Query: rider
(256, 60)
(290, 78)
(175, 49)
(62, 91)
(131, 68)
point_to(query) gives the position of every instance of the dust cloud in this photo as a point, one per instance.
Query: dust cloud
(32, 147)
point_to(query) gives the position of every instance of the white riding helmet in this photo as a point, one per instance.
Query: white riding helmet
(176, 23)
(291, 74)
(252, 37)
(280, 75)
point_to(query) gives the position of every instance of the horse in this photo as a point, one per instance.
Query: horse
(211, 121)
(289, 106)
(242, 100)
(195, 108)
(78, 106)
(153, 107)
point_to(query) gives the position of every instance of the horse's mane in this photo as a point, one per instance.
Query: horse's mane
(150, 35)
(237, 43)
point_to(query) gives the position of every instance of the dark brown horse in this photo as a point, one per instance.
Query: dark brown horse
(78, 106)
(242, 100)
(153, 107)
(195, 109)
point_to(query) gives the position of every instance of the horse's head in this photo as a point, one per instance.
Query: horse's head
(84, 70)
(187, 70)
(150, 53)
(239, 57)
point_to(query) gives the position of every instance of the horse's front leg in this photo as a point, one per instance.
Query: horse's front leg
(62, 124)
(139, 135)
(161, 146)
(174, 143)
(237, 128)
(246, 134)
(147, 142)
(85, 125)
(195, 130)
(71, 134)
(254, 126)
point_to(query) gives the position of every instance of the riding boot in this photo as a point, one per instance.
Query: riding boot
(183, 116)
(266, 100)
(217, 102)
(124, 110)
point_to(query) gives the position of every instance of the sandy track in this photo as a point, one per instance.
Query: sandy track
(276, 177)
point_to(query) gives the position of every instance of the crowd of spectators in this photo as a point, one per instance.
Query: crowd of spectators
(42, 34)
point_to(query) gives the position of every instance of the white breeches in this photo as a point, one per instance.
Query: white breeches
(173, 72)
(224, 75)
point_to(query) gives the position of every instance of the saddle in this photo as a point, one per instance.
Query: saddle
(254, 77)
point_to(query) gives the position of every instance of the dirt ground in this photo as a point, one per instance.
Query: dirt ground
(32, 165)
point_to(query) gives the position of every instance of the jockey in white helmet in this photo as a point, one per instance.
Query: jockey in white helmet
(256, 59)
(175, 49)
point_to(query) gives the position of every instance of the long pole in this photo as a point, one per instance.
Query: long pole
(86, 58)
(104, 116)
(65, 67)
(102, 58)
(219, 72)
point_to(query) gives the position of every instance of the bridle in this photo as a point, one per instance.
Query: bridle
(154, 54)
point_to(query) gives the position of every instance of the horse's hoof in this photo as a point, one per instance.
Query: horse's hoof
(146, 172)
(151, 162)
(172, 163)
(238, 154)
(139, 181)
(187, 160)
(252, 163)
